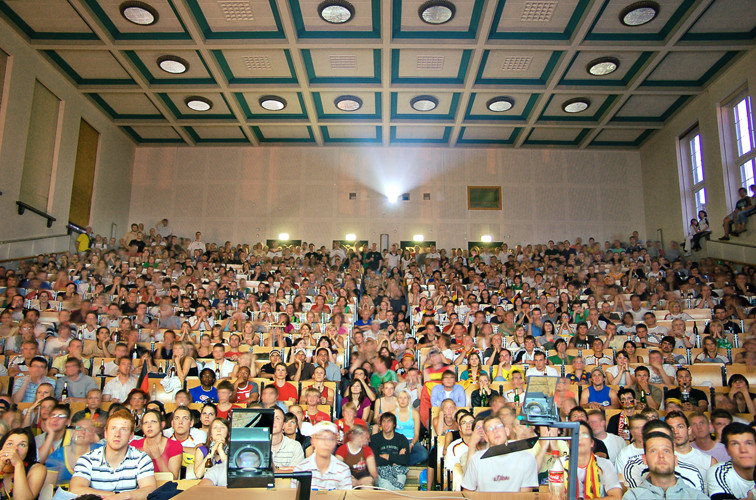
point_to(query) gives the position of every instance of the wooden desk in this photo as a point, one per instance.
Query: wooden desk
(210, 492)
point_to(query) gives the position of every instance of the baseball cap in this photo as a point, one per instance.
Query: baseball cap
(308, 429)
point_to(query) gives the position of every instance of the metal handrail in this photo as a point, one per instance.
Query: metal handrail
(19, 240)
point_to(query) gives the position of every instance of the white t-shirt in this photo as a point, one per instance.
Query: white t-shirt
(454, 453)
(196, 437)
(723, 478)
(502, 474)
(698, 458)
(226, 367)
(656, 379)
(614, 370)
(624, 455)
(614, 444)
(548, 371)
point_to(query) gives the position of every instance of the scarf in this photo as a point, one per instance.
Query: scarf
(592, 483)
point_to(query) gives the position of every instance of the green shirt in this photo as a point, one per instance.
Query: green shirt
(376, 380)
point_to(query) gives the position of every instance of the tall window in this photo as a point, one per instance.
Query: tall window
(740, 153)
(692, 175)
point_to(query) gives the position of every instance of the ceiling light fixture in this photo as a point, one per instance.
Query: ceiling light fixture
(577, 105)
(500, 103)
(139, 13)
(348, 102)
(437, 11)
(424, 103)
(336, 11)
(603, 66)
(198, 103)
(639, 13)
(173, 64)
(272, 102)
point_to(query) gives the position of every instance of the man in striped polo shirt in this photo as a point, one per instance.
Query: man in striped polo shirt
(328, 472)
(115, 467)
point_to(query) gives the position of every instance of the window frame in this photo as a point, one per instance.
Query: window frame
(689, 188)
(732, 159)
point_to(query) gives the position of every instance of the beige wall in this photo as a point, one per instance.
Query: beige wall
(661, 183)
(115, 158)
(251, 194)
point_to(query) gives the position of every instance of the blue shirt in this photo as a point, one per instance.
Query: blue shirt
(199, 395)
(438, 394)
(31, 389)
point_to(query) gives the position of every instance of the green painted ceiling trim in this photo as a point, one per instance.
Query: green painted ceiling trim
(231, 79)
(314, 79)
(179, 115)
(302, 32)
(76, 77)
(261, 138)
(584, 118)
(517, 35)
(43, 35)
(659, 36)
(574, 142)
(601, 82)
(271, 116)
(501, 116)
(139, 64)
(651, 119)
(395, 140)
(510, 140)
(425, 116)
(733, 36)
(347, 115)
(115, 115)
(142, 140)
(117, 35)
(353, 140)
(237, 35)
(472, 30)
(637, 142)
(693, 83)
(464, 64)
(547, 70)
(199, 140)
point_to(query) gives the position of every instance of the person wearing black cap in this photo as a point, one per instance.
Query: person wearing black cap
(269, 369)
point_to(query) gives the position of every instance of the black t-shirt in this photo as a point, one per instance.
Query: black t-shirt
(696, 395)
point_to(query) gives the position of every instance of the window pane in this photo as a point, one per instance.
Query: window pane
(700, 197)
(695, 159)
(747, 174)
(743, 126)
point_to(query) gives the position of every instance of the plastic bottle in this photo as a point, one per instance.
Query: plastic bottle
(557, 489)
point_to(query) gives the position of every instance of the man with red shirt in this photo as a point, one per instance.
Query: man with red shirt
(246, 391)
(286, 391)
(233, 348)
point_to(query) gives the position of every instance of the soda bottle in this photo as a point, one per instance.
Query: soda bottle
(557, 490)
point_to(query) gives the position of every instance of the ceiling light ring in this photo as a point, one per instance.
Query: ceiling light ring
(342, 101)
(611, 64)
(500, 104)
(173, 59)
(336, 11)
(417, 100)
(191, 101)
(645, 5)
(445, 8)
(281, 102)
(136, 4)
(576, 105)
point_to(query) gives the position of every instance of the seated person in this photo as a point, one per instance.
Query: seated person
(206, 391)
(691, 399)
(392, 454)
(166, 454)
(116, 467)
(312, 413)
(448, 389)
(215, 450)
(225, 399)
(358, 456)
(328, 472)
(83, 440)
(734, 478)
(23, 474)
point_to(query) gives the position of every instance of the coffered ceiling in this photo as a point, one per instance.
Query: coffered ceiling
(533, 55)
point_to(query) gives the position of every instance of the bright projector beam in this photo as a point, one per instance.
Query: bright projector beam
(392, 193)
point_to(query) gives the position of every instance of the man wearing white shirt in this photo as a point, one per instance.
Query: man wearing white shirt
(539, 368)
(197, 244)
(220, 363)
(734, 478)
(636, 423)
(118, 389)
(683, 449)
(614, 444)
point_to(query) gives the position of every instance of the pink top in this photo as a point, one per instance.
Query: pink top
(172, 448)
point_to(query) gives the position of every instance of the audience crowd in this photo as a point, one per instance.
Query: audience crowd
(123, 364)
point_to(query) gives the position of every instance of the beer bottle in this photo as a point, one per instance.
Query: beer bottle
(102, 367)
(64, 393)
(517, 397)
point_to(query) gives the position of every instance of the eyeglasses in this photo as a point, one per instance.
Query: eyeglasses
(494, 427)
(58, 416)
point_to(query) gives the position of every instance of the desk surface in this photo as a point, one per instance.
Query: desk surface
(211, 492)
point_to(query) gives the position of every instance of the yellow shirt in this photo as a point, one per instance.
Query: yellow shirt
(83, 242)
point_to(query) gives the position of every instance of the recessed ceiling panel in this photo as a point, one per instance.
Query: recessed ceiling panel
(629, 64)
(363, 134)
(419, 66)
(294, 109)
(688, 68)
(536, 19)
(517, 67)
(153, 134)
(256, 65)
(555, 112)
(127, 105)
(90, 66)
(325, 105)
(342, 65)
(401, 105)
(488, 135)
(47, 19)
(177, 103)
(167, 27)
(609, 27)
(478, 106)
(365, 23)
(621, 137)
(724, 20)
(148, 63)
(283, 133)
(403, 134)
(649, 108)
(556, 136)
(407, 22)
(218, 134)
(237, 19)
